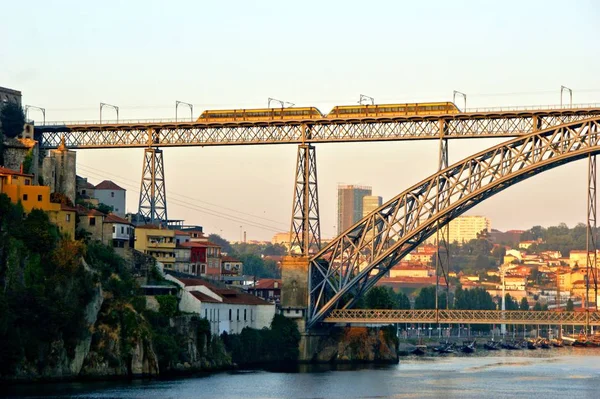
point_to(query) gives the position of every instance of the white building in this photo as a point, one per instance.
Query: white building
(465, 228)
(227, 310)
(110, 194)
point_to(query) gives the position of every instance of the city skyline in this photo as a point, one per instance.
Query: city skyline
(253, 185)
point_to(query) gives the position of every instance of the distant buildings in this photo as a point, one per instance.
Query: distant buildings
(370, 203)
(350, 205)
(109, 193)
(463, 229)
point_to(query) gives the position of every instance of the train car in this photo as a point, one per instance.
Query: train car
(260, 114)
(382, 110)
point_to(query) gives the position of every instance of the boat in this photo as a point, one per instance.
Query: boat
(445, 347)
(510, 346)
(492, 345)
(468, 347)
(557, 343)
(543, 343)
(419, 350)
(531, 344)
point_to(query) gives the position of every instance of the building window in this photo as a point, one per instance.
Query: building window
(27, 182)
(82, 192)
(39, 198)
(25, 197)
(206, 313)
(229, 314)
(122, 230)
(238, 315)
(92, 221)
(244, 314)
(68, 217)
(113, 229)
(112, 194)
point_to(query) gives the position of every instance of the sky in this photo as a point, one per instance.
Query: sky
(68, 56)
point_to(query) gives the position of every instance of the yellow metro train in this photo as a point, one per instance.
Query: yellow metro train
(338, 112)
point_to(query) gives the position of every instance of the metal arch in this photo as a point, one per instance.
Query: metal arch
(324, 130)
(352, 263)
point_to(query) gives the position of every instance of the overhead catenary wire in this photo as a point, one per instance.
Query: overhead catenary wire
(196, 208)
(182, 195)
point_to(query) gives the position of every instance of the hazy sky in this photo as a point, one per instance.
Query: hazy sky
(68, 56)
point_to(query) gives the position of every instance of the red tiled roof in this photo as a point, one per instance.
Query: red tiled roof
(83, 211)
(67, 208)
(6, 171)
(108, 185)
(267, 284)
(112, 218)
(203, 297)
(191, 282)
(181, 233)
(239, 298)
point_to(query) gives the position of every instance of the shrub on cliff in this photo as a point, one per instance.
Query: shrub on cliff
(12, 119)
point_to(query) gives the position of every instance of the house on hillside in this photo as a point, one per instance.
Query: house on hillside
(227, 310)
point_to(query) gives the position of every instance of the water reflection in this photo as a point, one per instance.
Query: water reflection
(503, 374)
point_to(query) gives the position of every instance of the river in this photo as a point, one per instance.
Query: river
(566, 372)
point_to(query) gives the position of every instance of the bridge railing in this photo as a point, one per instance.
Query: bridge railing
(381, 316)
(533, 107)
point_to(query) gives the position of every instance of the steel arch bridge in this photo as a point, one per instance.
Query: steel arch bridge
(352, 263)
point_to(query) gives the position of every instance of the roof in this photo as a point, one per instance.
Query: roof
(112, 218)
(149, 226)
(108, 185)
(181, 233)
(191, 282)
(240, 298)
(203, 297)
(67, 208)
(6, 171)
(267, 283)
(82, 210)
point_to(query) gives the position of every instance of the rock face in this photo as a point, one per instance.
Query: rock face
(121, 345)
(355, 344)
(198, 353)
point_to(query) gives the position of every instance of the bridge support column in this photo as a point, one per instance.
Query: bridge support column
(305, 232)
(153, 196)
(442, 232)
(591, 246)
(294, 293)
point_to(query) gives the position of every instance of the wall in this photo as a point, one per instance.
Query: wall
(59, 172)
(15, 152)
(117, 202)
(65, 220)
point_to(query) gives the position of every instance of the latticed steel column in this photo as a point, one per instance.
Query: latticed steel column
(443, 232)
(591, 246)
(153, 195)
(305, 234)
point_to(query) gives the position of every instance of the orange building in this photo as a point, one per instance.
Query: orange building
(19, 187)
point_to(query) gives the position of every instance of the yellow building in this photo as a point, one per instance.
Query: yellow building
(157, 242)
(19, 188)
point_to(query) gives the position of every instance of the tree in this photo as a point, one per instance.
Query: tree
(105, 209)
(402, 301)
(570, 305)
(524, 304)
(510, 303)
(426, 299)
(223, 243)
(537, 306)
(381, 298)
(60, 198)
(12, 119)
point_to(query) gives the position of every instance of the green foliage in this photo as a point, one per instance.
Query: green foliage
(277, 344)
(537, 306)
(570, 306)
(115, 275)
(28, 162)
(426, 299)
(380, 297)
(254, 265)
(223, 243)
(475, 299)
(510, 303)
(12, 119)
(139, 303)
(168, 305)
(45, 288)
(474, 256)
(106, 209)
(524, 304)
(557, 238)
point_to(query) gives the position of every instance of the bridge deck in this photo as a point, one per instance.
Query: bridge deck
(132, 134)
(528, 317)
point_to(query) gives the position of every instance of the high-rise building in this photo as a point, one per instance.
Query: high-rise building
(370, 203)
(463, 229)
(350, 205)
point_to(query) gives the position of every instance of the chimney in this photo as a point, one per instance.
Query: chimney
(21, 169)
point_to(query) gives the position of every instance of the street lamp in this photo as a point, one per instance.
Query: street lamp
(282, 103)
(464, 96)
(565, 88)
(102, 105)
(177, 103)
(39, 108)
(366, 98)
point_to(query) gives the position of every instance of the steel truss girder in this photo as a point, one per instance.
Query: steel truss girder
(305, 233)
(353, 262)
(442, 263)
(522, 317)
(169, 134)
(591, 242)
(153, 194)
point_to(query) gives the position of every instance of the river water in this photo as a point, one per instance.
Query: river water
(564, 372)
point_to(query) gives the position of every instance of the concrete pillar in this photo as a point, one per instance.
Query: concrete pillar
(294, 293)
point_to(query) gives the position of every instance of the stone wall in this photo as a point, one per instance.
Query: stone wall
(15, 152)
(59, 172)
